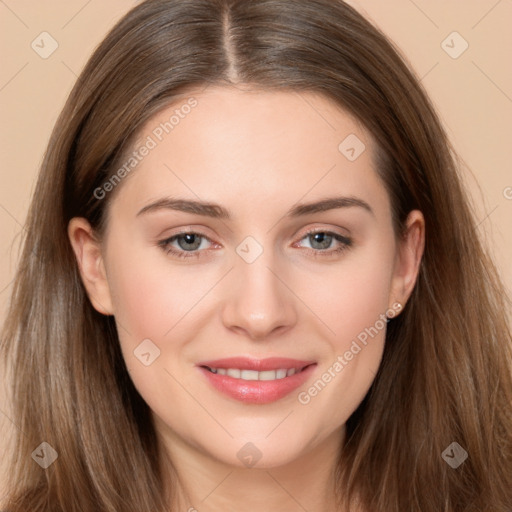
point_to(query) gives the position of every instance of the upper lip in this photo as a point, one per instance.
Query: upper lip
(247, 363)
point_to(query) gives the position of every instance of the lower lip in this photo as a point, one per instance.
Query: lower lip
(257, 391)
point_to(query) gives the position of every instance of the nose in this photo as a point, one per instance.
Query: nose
(260, 304)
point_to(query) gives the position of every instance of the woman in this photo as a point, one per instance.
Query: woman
(251, 279)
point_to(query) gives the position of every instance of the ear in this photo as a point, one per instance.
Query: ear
(408, 258)
(87, 250)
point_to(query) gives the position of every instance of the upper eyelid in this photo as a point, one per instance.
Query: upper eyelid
(309, 231)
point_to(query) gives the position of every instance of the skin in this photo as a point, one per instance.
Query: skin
(257, 154)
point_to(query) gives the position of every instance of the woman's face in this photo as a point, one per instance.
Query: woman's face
(207, 257)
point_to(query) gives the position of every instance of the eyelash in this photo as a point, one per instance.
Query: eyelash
(345, 241)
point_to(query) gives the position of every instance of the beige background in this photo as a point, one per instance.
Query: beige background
(473, 94)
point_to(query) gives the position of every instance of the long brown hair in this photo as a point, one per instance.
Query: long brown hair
(445, 376)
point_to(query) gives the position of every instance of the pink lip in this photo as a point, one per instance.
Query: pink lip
(260, 365)
(257, 391)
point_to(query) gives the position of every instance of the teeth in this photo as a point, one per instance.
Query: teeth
(269, 375)
(249, 375)
(254, 375)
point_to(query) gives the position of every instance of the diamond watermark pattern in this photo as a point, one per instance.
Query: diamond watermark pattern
(147, 352)
(249, 454)
(454, 45)
(44, 455)
(249, 249)
(44, 45)
(351, 147)
(454, 455)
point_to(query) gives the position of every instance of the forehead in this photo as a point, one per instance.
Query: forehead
(244, 145)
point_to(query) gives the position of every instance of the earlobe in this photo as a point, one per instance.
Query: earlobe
(90, 262)
(409, 254)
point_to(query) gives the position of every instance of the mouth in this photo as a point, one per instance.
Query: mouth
(256, 381)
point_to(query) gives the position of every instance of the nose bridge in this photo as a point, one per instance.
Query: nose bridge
(259, 302)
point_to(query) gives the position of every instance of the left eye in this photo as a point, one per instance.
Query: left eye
(325, 239)
(189, 243)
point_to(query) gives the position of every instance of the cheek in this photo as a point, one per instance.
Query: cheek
(150, 295)
(353, 305)
(356, 293)
(143, 305)
(151, 302)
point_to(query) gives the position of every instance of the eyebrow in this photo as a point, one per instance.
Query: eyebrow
(217, 211)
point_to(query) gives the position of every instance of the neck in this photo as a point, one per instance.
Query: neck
(201, 483)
